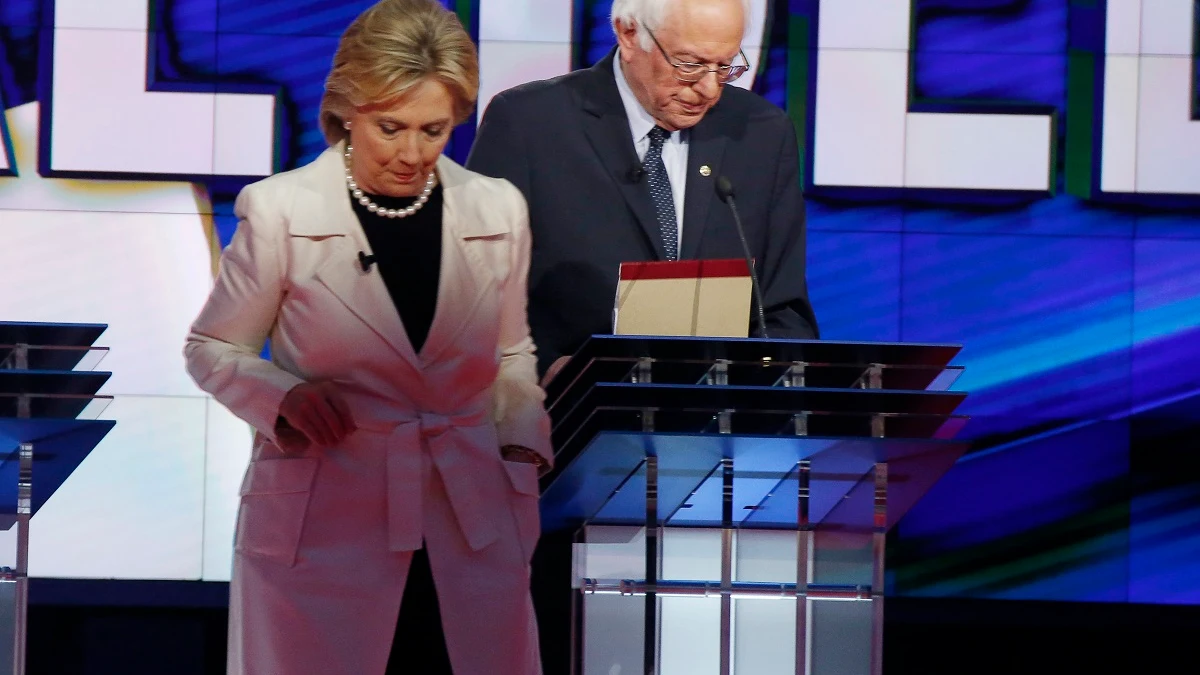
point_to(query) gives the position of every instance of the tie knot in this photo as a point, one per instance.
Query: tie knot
(658, 135)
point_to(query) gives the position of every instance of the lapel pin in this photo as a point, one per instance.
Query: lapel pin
(705, 171)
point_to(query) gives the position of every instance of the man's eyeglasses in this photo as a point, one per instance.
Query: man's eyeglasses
(694, 72)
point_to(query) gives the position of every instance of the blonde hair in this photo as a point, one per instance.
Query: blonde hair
(390, 48)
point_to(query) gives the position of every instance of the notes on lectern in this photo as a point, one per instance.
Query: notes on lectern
(706, 298)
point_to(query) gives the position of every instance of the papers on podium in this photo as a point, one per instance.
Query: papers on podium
(706, 298)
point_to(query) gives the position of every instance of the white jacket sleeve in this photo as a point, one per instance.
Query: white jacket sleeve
(520, 416)
(223, 349)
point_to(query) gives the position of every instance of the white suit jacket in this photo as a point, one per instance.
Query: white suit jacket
(317, 580)
(292, 274)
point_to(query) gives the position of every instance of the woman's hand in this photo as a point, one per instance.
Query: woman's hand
(552, 371)
(524, 455)
(313, 413)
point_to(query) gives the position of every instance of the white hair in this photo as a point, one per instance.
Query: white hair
(649, 14)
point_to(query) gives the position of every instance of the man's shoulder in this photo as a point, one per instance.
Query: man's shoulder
(279, 193)
(553, 91)
(748, 107)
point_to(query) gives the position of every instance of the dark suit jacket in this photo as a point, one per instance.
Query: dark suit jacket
(565, 143)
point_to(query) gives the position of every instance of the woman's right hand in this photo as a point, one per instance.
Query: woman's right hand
(313, 413)
(552, 371)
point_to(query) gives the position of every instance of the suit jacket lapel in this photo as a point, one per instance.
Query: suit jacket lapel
(607, 129)
(706, 147)
(460, 287)
(323, 212)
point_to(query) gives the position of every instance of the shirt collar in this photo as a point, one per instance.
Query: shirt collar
(640, 121)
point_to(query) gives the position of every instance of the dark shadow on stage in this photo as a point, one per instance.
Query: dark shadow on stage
(153, 628)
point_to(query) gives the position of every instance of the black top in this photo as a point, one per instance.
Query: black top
(408, 253)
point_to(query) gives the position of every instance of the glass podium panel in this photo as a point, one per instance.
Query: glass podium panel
(51, 382)
(730, 497)
(54, 406)
(605, 479)
(760, 374)
(50, 357)
(698, 544)
(50, 334)
(48, 424)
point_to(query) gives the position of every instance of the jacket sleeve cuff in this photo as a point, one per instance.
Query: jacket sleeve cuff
(262, 405)
(521, 419)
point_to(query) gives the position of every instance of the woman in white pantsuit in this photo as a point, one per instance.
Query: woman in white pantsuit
(400, 427)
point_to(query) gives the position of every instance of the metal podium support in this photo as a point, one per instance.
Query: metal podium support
(733, 496)
(48, 425)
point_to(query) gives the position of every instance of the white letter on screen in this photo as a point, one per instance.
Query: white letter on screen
(865, 135)
(1150, 143)
(521, 41)
(753, 41)
(104, 121)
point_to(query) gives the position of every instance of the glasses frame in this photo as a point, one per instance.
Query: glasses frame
(724, 73)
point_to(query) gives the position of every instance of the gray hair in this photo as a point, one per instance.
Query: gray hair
(649, 14)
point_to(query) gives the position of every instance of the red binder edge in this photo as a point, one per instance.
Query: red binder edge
(684, 269)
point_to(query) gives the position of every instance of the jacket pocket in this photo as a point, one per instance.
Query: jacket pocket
(274, 503)
(524, 499)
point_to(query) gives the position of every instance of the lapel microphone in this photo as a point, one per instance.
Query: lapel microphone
(725, 192)
(366, 261)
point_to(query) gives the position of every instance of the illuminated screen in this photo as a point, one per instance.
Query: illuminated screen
(1019, 176)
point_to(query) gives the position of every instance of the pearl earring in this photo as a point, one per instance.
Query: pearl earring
(346, 126)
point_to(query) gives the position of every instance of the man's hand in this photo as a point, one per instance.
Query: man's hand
(313, 413)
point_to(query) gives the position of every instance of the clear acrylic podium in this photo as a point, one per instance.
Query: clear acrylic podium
(731, 497)
(48, 425)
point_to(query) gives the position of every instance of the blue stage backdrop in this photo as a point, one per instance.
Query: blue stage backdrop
(1020, 176)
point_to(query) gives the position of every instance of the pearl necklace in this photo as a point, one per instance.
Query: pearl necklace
(363, 199)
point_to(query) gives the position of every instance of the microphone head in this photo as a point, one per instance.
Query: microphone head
(724, 188)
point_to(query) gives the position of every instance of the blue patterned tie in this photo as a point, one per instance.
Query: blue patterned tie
(660, 191)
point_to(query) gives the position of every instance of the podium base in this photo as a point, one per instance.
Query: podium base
(8, 625)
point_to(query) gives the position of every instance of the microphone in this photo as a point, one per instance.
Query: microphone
(366, 261)
(725, 192)
(635, 173)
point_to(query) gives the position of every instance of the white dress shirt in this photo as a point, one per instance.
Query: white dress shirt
(675, 148)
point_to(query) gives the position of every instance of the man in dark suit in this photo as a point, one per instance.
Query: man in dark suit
(618, 163)
(589, 149)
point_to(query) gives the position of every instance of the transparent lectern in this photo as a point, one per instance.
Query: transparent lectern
(48, 425)
(730, 497)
